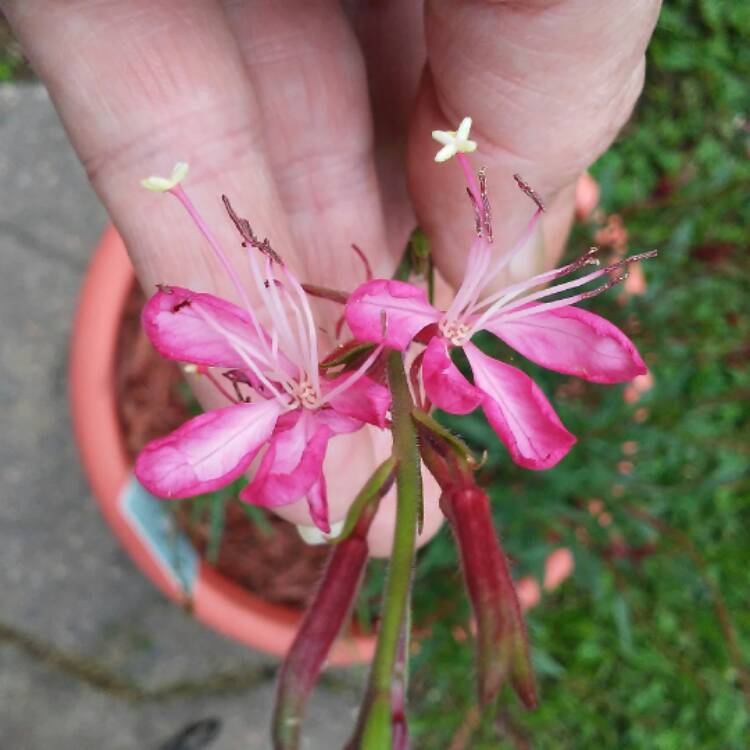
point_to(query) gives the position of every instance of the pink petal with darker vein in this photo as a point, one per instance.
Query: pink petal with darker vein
(575, 342)
(208, 451)
(519, 412)
(176, 320)
(337, 423)
(364, 400)
(444, 385)
(291, 465)
(404, 306)
(317, 502)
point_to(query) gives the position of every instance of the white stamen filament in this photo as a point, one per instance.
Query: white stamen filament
(300, 326)
(479, 282)
(279, 324)
(198, 220)
(239, 347)
(275, 344)
(312, 333)
(356, 375)
(501, 308)
(281, 305)
(298, 341)
(544, 307)
(476, 264)
(517, 246)
(509, 292)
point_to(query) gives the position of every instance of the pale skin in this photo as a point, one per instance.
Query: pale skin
(315, 116)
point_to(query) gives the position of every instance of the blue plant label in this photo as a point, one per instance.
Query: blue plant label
(151, 520)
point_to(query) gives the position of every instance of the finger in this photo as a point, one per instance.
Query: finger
(548, 83)
(311, 85)
(140, 85)
(143, 85)
(307, 70)
(392, 38)
(158, 82)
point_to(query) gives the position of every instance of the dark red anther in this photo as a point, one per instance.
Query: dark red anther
(528, 190)
(248, 236)
(235, 377)
(486, 211)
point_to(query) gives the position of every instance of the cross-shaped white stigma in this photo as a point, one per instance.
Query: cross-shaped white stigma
(454, 141)
(163, 184)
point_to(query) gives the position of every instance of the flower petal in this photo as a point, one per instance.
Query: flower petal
(175, 320)
(444, 385)
(208, 451)
(317, 502)
(338, 423)
(519, 412)
(575, 342)
(291, 465)
(364, 400)
(404, 306)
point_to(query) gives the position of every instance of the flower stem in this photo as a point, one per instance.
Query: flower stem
(377, 732)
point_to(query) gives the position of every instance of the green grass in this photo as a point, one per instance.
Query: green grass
(12, 64)
(635, 655)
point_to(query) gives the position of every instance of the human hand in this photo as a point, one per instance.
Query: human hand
(299, 110)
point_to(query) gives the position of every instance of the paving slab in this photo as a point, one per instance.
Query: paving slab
(67, 587)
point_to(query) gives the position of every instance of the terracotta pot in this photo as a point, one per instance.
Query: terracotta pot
(139, 520)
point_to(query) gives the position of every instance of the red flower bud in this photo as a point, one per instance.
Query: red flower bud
(319, 629)
(502, 642)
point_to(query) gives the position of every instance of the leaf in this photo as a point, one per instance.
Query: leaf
(621, 615)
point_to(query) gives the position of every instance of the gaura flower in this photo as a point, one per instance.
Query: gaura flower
(278, 398)
(552, 333)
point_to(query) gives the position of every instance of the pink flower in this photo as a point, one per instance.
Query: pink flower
(554, 334)
(277, 397)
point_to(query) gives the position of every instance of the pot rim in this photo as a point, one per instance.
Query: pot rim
(215, 600)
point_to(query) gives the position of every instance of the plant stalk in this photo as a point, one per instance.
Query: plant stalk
(377, 731)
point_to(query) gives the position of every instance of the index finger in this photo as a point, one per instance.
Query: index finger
(139, 86)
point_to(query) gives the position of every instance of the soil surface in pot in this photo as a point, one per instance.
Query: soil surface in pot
(270, 560)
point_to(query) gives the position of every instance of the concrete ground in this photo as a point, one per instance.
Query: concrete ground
(92, 657)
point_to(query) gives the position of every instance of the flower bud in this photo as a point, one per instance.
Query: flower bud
(502, 642)
(319, 629)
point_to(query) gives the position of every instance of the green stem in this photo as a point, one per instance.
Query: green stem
(376, 734)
